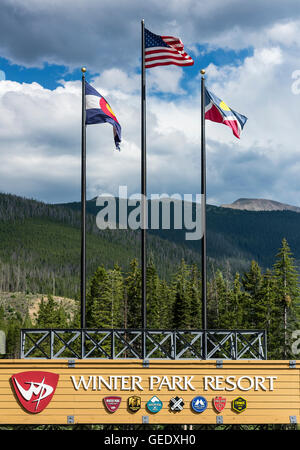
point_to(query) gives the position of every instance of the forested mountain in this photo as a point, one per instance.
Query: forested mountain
(253, 277)
(40, 244)
(40, 248)
(234, 237)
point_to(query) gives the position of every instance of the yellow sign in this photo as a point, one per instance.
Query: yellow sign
(160, 392)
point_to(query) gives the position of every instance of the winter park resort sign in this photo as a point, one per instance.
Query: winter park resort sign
(159, 391)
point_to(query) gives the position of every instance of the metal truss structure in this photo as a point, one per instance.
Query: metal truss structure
(143, 344)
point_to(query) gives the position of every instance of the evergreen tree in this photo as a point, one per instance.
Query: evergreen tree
(237, 297)
(167, 298)
(133, 286)
(218, 301)
(155, 305)
(98, 310)
(61, 317)
(27, 323)
(195, 295)
(252, 280)
(105, 299)
(268, 312)
(182, 301)
(46, 315)
(287, 295)
(76, 320)
(252, 283)
(115, 294)
(13, 338)
(50, 314)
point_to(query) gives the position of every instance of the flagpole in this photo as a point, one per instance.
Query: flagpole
(143, 186)
(203, 203)
(83, 206)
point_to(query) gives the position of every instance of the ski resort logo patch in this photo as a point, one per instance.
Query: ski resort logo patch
(112, 403)
(134, 403)
(34, 390)
(199, 404)
(219, 403)
(176, 404)
(239, 404)
(154, 405)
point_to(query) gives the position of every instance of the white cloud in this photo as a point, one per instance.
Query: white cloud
(262, 163)
(77, 33)
(40, 129)
(287, 33)
(165, 80)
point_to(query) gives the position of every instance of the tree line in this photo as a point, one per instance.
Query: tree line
(255, 299)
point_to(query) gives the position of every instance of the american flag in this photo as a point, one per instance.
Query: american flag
(164, 50)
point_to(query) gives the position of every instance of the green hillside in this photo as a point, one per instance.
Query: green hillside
(40, 258)
(234, 237)
(40, 248)
(40, 244)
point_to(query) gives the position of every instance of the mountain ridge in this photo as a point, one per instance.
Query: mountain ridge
(40, 244)
(234, 234)
(260, 204)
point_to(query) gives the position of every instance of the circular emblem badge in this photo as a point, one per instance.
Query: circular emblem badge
(154, 404)
(199, 404)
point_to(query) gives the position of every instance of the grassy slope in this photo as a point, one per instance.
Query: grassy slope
(24, 304)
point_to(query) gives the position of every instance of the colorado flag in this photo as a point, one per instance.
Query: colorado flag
(99, 111)
(217, 111)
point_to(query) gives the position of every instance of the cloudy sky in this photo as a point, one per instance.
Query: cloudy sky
(249, 49)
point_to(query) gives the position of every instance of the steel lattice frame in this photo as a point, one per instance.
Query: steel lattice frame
(143, 344)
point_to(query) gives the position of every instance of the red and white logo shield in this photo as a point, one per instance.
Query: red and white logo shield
(34, 389)
(219, 403)
(112, 403)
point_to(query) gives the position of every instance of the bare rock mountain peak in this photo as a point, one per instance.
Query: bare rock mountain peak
(260, 204)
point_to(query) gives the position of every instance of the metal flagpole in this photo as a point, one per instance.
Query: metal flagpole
(83, 205)
(143, 188)
(203, 202)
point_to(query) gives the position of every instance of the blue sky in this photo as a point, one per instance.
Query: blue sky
(250, 51)
(50, 75)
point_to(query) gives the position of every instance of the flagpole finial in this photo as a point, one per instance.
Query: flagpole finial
(202, 71)
(83, 69)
